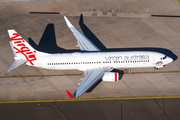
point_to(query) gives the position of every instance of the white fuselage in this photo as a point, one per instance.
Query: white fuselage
(93, 60)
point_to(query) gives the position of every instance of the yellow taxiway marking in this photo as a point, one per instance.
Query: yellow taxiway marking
(39, 75)
(81, 74)
(93, 99)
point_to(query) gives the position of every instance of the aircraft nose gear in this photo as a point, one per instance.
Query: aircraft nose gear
(159, 64)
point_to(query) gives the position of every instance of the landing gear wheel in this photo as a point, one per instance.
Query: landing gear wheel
(156, 69)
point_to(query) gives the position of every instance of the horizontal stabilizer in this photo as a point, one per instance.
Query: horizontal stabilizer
(16, 64)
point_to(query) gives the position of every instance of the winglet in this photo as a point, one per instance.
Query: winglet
(70, 95)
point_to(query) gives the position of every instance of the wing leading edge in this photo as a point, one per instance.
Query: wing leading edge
(90, 78)
(84, 43)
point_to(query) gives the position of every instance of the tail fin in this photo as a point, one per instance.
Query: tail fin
(20, 47)
(23, 52)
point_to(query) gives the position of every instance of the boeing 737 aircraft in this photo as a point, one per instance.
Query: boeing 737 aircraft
(95, 63)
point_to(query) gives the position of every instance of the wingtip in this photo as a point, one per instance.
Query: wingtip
(70, 95)
(68, 22)
(65, 17)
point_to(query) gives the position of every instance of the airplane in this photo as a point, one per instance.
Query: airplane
(95, 63)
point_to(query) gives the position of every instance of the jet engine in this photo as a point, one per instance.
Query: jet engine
(111, 76)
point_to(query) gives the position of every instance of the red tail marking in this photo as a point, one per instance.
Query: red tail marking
(30, 56)
(18, 42)
(27, 57)
(21, 44)
(15, 37)
(70, 95)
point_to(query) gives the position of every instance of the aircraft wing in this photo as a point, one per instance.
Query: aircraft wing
(90, 78)
(83, 42)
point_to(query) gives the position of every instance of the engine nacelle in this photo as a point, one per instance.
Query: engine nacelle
(111, 76)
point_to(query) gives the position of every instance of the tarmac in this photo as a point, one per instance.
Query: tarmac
(111, 25)
(154, 109)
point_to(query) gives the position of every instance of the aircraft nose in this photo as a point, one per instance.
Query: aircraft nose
(169, 60)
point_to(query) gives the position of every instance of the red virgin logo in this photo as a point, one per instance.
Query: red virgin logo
(22, 48)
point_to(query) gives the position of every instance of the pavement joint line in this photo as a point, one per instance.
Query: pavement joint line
(155, 72)
(91, 99)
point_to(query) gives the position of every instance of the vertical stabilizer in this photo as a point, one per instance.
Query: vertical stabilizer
(21, 49)
(23, 52)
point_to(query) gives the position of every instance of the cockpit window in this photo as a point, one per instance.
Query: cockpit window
(163, 58)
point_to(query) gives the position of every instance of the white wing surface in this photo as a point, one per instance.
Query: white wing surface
(90, 78)
(84, 43)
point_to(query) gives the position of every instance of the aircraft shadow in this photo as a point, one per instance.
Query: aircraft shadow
(48, 42)
(88, 33)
